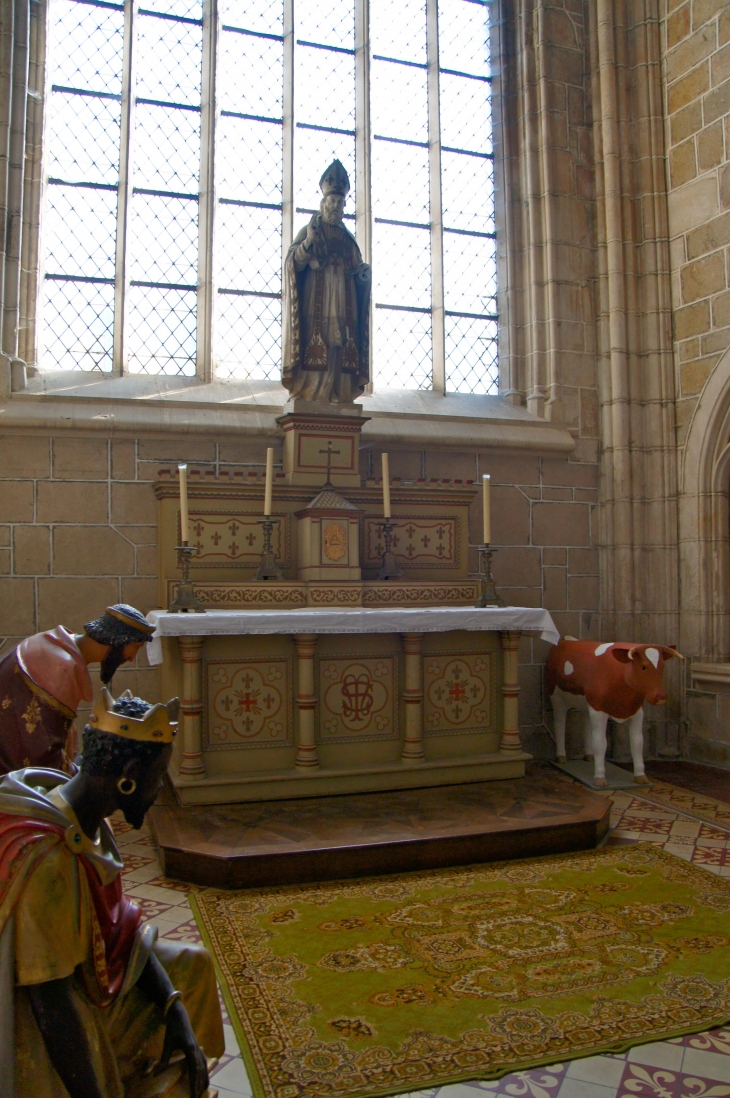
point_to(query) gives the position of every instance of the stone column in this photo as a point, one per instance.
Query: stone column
(510, 744)
(191, 649)
(307, 758)
(413, 698)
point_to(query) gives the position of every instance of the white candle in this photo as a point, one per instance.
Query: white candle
(269, 481)
(486, 509)
(386, 487)
(183, 471)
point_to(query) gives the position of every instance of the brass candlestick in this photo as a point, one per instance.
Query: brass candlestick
(390, 569)
(489, 596)
(186, 601)
(268, 569)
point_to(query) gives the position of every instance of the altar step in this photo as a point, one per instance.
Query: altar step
(327, 838)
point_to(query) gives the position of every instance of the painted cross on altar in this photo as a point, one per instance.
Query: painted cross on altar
(330, 454)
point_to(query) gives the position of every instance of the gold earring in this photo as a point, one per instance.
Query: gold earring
(126, 781)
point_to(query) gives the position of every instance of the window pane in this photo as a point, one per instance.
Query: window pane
(402, 269)
(86, 45)
(161, 331)
(78, 319)
(330, 22)
(400, 180)
(314, 150)
(188, 9)
(464, 36)
(248, 337)
(249, 163)
(466, 116)
(250, 249)
(403, 349)
(467, 192)
(169, 57)
(163, 234)
(80, 226)
(251, 75)
(398, 101)
(325, 88)
(399, 29)
(167, 148)
(470, 274)
(83, 138)
(471, 355)
(265, 16)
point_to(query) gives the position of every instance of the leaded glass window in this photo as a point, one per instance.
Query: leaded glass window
(185, 141)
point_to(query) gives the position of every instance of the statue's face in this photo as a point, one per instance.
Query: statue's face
(333, 207)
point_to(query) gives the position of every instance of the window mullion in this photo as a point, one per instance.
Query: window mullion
(121, 269)
(287, 198)
(437, 241)
(206, 200)
(363, 135)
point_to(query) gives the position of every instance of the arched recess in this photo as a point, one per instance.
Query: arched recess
(704, 533)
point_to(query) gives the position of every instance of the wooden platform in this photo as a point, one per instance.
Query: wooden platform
(326, 838)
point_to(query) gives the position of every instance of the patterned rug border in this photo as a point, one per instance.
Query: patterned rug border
(693, 872)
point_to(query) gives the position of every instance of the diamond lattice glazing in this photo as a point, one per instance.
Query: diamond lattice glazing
(264, 16)
(162, 327)
(400, 179)
(86, 45)
(250, 249)
(325, 88)
(251, 75)
(398, 29)
(248, 337)
(80, 225)
(467, 194)
(464, 36)
(249, 160)
(466, 116)
(169, 57)
(402, 349)
(329, 22)
(471, 355)
(163, 239)
(399, 101)
(402, 265)
(77, 329)
(83, 138)
(470, 284)
(167, 148)
(187, 9)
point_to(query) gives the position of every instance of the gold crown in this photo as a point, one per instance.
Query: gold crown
(335, 180)
(158, 725)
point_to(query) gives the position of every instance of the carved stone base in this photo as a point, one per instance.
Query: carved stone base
(292, 593)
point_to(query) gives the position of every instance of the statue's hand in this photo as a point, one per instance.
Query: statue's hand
(312, 231)
(179, 1035)
(363, 273)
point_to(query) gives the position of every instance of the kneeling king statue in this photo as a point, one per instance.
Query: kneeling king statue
(326, 354)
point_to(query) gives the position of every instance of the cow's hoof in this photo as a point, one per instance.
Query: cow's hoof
(562, 759)
(600, 783)
(641, 779)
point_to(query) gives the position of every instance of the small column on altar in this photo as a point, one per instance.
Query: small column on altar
(306, 700)
(191, 709)
(413, 698)
(510, 744)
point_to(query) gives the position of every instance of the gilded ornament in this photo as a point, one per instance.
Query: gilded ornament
(335, 541)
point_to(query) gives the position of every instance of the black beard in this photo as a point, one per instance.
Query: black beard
(112, 660)
(134, 811)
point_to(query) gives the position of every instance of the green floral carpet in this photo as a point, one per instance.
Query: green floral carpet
(379, 986)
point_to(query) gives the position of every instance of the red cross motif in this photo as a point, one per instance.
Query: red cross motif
(457, 691)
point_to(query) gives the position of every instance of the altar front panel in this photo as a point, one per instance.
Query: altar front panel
(250, 720)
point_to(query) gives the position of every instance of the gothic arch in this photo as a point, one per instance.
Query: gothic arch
(704, 533)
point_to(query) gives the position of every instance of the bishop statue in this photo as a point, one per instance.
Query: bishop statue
(327, 304)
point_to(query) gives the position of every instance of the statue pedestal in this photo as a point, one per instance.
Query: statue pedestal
(321, 443)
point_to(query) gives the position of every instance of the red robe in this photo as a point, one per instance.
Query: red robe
(42, 681)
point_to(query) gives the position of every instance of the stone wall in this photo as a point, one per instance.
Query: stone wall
(697, 75)
(78, 530)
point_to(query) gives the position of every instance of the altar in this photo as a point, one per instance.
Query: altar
(281, 704)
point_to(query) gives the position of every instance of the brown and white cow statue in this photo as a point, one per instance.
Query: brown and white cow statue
(606, 681)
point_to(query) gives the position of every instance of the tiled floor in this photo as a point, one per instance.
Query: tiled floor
(690, 1067)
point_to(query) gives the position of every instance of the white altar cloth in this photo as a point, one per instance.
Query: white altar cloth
(426, 619)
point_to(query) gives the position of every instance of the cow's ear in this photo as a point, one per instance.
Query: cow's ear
(621, 654)
(670, 650)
